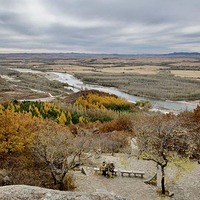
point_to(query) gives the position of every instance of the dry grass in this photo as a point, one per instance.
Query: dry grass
(100, 67)
(71, 69)
(187, 73)
(146, 69)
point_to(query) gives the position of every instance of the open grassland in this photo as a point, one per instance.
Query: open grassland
(187, 73)
(141, 65)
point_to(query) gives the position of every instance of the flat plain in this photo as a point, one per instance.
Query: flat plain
(158, 77)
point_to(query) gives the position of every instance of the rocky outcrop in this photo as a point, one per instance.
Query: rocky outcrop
(24, 192)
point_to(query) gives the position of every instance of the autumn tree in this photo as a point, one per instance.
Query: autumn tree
(196, 138)
(59, 149)
(62, 118)
(191, 121)
(95, 99)
(197, 113)
(161, 139)
(15, 131)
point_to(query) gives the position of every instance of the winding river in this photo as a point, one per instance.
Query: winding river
(77, 85)
(164, 106)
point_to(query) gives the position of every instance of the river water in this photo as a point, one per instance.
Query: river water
(77, 85)
(164, 106)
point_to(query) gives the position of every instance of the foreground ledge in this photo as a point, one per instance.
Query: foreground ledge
(24, 192)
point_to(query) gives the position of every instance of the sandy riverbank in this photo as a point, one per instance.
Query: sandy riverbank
(195, 102)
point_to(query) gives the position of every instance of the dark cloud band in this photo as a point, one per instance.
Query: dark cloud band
(104, 26)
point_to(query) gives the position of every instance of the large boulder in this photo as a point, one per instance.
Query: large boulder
(24, 192)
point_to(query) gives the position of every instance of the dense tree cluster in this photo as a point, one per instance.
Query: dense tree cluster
(34, 138)
(48, 110)
(35, 134)
(92, 100)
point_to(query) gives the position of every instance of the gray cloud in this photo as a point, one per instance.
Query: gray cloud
(107, 26)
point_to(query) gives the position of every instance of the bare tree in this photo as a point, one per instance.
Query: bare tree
(160, 139)
(112, 142)
(60, 150)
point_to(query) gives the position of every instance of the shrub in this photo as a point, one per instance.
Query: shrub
(69, 182)
(143, 103)
(121, 124)
(101, 119)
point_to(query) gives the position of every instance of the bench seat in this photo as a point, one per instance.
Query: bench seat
(122, 172)
(135, 173)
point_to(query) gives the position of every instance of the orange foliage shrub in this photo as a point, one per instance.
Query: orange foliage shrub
(197, 113)
(122, 124)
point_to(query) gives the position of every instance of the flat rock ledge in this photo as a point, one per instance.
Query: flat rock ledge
(24, 192)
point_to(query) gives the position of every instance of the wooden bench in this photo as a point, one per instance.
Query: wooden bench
(135, 173)
(97, 170)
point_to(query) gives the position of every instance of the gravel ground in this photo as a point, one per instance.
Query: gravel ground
(186, 188)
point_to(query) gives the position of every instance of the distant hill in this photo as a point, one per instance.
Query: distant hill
(89, 55)
(183, 54)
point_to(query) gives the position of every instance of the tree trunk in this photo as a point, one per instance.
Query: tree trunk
(54, 178)
(61, 187)
(52, 174)
(163, 179)
(61, 180)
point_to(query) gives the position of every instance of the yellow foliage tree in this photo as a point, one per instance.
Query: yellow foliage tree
(69, 118)
(62, 118)
(15, 131)
(47, 107)
(98, 101)
(81, 119)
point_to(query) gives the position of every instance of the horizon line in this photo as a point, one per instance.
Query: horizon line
(101, 53)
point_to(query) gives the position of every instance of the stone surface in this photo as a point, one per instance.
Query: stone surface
(187, 187)
(24, 192)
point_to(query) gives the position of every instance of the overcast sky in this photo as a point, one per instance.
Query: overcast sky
(100, 26)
